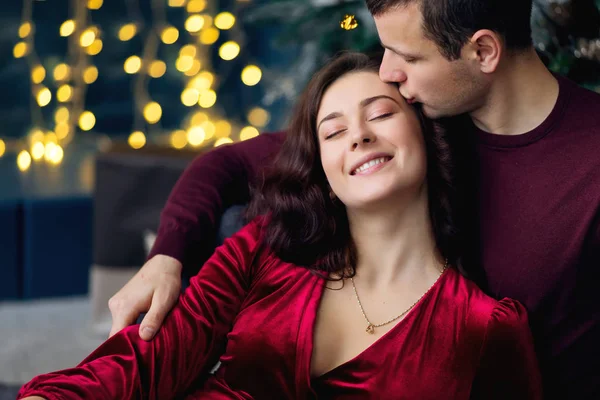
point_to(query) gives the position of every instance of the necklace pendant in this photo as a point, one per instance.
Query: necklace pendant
(370, 329)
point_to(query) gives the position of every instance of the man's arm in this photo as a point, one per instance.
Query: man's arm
(186, 236)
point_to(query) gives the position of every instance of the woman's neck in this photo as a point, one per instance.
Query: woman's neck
(395, 243)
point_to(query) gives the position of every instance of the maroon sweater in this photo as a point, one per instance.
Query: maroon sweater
(538, 202)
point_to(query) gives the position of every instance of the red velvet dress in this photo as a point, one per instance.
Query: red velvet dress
(257, 314)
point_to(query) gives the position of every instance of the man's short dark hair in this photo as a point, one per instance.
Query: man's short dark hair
(451, 23)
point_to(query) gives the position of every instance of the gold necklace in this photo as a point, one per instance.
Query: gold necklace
(371, 326)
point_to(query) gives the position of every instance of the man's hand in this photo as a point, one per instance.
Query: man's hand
(155, 289)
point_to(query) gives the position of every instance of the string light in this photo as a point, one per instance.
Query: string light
(132, 65)
(90, 74)
(25, 29)
(44, 97)
(87, 37)
(127, 32)
(37, 151)
(38, 74)
(24, 160)
(189, 97)
(209, 36)
(169, 35)
(137, 140)
(258, 117)
(64, 93)
(208, 98)
(194, 6)
(20, 50)
(157, 69)
(178, 139)
(194, 23)
(62, 72)
(94, 48)
(222, 129)
(176, 3)
(195, 136)
(67, 28)
(2, 147)
(95, 4)
(248, 132)
(224, 20)
(87, 120)
(152, 112)
(229, 50)
(251, 75)
(222, 141)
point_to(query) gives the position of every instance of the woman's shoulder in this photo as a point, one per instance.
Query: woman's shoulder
(485, 312)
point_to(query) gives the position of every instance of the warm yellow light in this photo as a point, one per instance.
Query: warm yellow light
(20, 49)
(62, 130)
(209, 129)
(2, 147)
(258, 117)
(64, 93)
(195, 68)
(90, 74)
(194, 23)
(61, 115)
(222, 129)
(195, 136)
(229, 50)
(176, 3)
(195, 6)
(95, 4)
(132, 64)
(190, 97)
(95, 47)
(188, 50)
(37, 151)
(43, 97)
(38, 74)
(87, 120)
(178, 139)
(62, 72)
(157, 69)
(53, 153)
(248, 132)
(24, 160)
(127, 32)
(222, 141)
(198, 118)
(209, 35)
(152, 112)
(251, 75)
(25, 29)
(137, 140)
(169, 35)
(36, 136)
(207, 99)
(202, 81)
(184, 63)
(87, 37)
(224, 20)
(51, 137)
(67, 28)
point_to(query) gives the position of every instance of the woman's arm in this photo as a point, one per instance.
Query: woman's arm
(508, 367)
(184, 350)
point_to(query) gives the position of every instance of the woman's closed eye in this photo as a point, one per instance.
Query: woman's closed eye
(333, 134)
(380, 116)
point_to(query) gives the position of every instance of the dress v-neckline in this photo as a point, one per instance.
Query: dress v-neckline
(308, 323)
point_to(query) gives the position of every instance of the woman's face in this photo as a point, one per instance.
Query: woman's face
(371, 144)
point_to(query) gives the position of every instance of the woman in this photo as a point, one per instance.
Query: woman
(346, 287)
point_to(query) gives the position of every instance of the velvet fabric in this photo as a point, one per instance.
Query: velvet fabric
(258, 314)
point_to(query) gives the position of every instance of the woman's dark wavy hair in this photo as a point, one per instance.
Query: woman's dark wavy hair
(305, 225)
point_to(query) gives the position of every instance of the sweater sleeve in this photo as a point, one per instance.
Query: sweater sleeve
(212, 183)
(186, 347)
(508, 367)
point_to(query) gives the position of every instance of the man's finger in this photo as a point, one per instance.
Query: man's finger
(162, 303)
(121, 316)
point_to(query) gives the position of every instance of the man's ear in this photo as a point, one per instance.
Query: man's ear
(486, 48)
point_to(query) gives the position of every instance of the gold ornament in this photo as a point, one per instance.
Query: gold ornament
(349, 22)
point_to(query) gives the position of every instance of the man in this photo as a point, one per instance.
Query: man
(533, 145)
